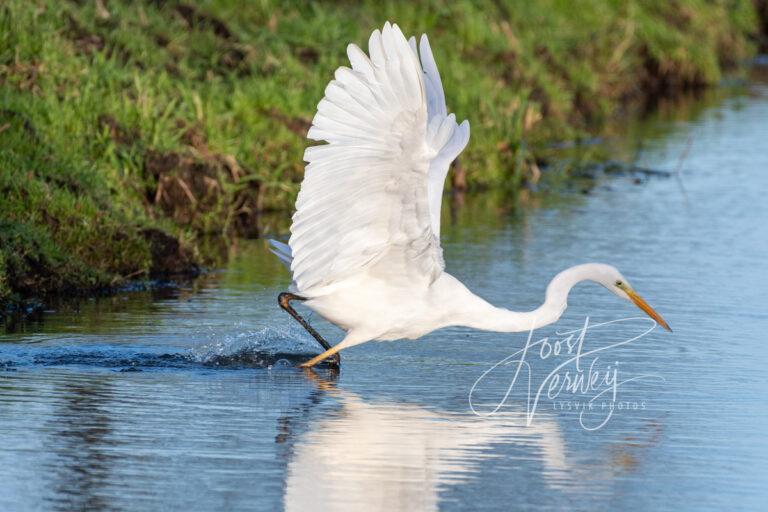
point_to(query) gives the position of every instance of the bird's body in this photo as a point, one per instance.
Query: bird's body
(376, 308)
(365, 247)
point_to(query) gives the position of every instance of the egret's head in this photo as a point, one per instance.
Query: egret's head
(612, 279)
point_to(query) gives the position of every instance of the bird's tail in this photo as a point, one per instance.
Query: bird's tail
(282, 251)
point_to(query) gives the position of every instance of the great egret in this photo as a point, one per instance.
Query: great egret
(365, 240)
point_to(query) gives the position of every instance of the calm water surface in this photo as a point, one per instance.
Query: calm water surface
(187, 398)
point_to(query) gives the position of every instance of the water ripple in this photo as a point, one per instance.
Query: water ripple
(251, 349)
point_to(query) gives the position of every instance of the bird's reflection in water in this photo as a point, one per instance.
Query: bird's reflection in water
(81, 427)
(383, 455)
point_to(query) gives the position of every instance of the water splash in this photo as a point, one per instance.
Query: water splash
(261, 348)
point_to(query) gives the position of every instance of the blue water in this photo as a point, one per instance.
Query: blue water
(188, 398)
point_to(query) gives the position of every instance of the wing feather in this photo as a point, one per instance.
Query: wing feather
(370, 199)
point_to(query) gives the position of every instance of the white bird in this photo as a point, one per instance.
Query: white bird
(365, 247)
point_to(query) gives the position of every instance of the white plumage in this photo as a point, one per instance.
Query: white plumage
(372, 194)
(365, 239)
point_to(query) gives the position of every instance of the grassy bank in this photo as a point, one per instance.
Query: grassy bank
(129, 129)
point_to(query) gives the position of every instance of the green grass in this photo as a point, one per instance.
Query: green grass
(122, 120)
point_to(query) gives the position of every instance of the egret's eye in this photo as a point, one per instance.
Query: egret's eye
(619, 283)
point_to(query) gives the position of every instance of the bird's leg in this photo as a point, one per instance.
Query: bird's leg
(284, 299)
(331, 352)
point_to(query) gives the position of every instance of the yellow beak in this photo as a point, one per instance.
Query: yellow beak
(639, 302)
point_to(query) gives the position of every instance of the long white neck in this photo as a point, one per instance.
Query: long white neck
(479, 314)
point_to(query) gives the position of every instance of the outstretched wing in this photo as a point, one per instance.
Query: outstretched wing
(370, 199)
(442, 131)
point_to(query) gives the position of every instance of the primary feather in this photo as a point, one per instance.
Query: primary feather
(370, 199)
